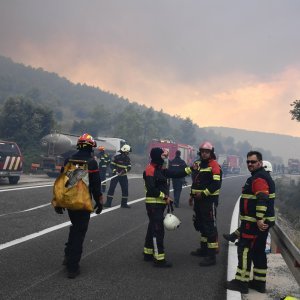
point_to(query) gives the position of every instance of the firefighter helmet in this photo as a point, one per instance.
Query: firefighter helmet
(268, 166)
(86, 140)
(125, 148)
(101, 148)
(206, 146)
(171, 222)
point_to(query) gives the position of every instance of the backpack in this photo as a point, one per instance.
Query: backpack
(71, 187)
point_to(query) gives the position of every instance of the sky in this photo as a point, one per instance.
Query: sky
(221, 63)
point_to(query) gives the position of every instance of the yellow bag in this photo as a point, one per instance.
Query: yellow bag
(71, 188)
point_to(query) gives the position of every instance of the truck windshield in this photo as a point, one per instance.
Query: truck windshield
(9, 149)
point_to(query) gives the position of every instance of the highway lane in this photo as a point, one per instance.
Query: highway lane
(112, 265)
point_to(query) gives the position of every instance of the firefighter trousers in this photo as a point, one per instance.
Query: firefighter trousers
(73, 250)
(103, 177)
(123, 180)
(154, 241)
(206, 222)
(252, 250)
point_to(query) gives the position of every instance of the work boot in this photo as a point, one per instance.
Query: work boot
(161, 263)
(257, 285)
(237, 285)
(124, 204)
(199, 252)
(208, 261)
(108, 202)
(73, 273)
(230, 237)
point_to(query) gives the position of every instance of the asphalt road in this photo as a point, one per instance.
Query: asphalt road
(112, 266)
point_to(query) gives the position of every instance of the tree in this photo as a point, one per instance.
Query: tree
(295, 112)
(25, 123)
(187, 132)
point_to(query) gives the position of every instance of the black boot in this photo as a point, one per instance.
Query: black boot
(161, 263)
(230, 237)
(237, 285)
(208, 261)
(108, 202)
(257, 285)
(124, 203)
(199, 252)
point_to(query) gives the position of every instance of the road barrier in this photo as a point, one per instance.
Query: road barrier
(288, 250)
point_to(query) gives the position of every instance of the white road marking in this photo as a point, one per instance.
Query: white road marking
(59, 226)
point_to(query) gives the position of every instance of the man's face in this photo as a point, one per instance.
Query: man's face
(253, 163)
(205, 154)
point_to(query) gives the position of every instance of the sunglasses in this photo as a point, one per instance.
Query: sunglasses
(252, 162)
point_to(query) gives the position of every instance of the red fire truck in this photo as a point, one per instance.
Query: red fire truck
(188, 152)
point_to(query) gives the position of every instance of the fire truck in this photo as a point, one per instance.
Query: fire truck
(11, 161)
(188, 152)
(233, 163)
(56, 147)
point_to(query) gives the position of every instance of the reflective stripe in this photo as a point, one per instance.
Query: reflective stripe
(148, 250)
(203, 239)
(260, 215)
(212, 245)
(188, 170)
(155, 200)
(259, 278)
(196, 191)
(247, 218)
(260, 271)
(248, 196)
(261, 208)
(216, 177)
(244, 272)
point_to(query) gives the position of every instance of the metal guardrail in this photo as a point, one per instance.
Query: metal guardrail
(288, 250)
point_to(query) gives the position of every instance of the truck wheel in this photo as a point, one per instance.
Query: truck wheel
(13, 179)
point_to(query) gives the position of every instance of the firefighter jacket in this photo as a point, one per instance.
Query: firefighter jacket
(104, 160)
(156, 182)
(207, 179)
(121, 164)
(257, 201)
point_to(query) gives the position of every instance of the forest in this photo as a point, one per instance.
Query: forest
(34, 102)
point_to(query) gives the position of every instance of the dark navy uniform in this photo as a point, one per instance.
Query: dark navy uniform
(120, 165)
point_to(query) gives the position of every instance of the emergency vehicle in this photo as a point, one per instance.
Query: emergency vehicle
(233, 162)
(56, 147)
(188, 152)
(11, 161)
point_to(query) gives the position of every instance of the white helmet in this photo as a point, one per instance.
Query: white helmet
(268, 166)
(171, 222)
(125, 148)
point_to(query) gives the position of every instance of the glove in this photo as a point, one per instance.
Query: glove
(59, 210)
(98, 208)
(122, 172)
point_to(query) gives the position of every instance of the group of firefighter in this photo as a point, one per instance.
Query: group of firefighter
(256, 206)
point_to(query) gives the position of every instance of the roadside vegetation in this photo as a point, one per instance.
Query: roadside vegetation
(288, 206)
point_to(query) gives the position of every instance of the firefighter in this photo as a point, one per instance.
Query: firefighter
(157, 197)
(257, 215)
(232, 237)
(177, 183)
(120, 166)
(204, 197)
(225, 167)
(104, 161)
(80, 218)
